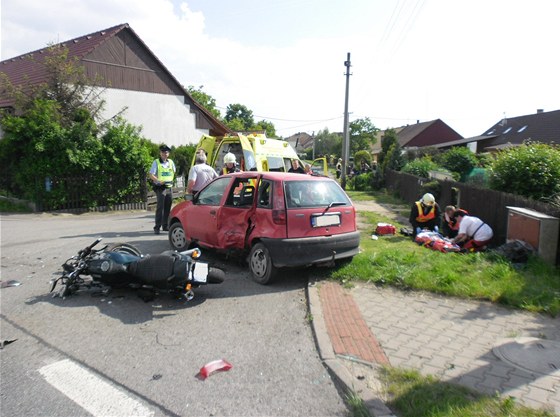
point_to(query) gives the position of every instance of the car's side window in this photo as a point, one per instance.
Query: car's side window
(265, 193)
(212, 195)
(242, 193)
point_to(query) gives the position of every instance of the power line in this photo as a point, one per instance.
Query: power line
(310, 121)
(408, 24)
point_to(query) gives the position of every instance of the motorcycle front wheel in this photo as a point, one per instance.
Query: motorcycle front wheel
(124, 248)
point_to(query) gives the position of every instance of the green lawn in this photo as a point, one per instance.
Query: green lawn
(399, 262)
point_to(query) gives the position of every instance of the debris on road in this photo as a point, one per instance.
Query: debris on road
(214, 366)
(10, 283)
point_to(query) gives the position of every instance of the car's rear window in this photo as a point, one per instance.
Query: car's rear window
(314, 194)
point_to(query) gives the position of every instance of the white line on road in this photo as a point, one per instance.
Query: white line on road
(91, 392)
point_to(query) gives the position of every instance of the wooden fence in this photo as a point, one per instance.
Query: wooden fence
(488, 205)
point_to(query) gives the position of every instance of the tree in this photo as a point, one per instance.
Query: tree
(390, 157)
(54, 139)
(531, 170)
(362, 156)
(66, 84)
(389, 139)
(205, 100)
(458, 159)
(239, 114)
(267, 126)
(362, 135)
(327, 143)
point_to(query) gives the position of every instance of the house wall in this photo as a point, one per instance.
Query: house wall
(164, 118)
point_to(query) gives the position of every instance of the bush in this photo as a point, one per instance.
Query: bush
(362, 182)
(531, 170)
(421, 167)
(432, 187)
(182, 157)
(458, 159)
(362, 156)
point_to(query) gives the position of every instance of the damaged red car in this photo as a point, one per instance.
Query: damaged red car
(276, 219)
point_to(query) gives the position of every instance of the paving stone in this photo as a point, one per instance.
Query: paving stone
(446, 337)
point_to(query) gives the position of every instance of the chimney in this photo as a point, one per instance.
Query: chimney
(540, 111)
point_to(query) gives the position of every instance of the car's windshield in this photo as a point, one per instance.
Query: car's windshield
(314, 194)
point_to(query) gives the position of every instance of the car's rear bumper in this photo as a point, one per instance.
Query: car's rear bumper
(312, 250)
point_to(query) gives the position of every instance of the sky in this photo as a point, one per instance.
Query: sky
(469, 63)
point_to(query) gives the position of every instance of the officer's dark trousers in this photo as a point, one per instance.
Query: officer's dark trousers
(164, 199)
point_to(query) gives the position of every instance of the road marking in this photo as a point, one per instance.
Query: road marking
(91, 392)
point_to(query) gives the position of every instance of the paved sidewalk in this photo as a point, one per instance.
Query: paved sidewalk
(483, 346)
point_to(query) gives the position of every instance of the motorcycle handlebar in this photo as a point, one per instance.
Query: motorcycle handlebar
(87, 250)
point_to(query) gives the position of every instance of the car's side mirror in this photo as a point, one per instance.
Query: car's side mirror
(188, 197)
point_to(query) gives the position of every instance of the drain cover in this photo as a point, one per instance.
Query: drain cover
(538, 356)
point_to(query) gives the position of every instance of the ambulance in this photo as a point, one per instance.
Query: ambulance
(255, 152)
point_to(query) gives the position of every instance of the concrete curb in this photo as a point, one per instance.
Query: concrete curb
(335, 364)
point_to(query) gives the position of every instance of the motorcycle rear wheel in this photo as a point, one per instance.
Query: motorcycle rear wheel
(124, 248)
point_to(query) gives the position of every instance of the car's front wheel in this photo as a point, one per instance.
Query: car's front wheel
(260, 263)
(177, 237)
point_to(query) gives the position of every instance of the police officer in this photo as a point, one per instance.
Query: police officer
(162, 174)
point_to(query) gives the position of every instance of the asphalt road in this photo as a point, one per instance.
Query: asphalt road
(118, 355)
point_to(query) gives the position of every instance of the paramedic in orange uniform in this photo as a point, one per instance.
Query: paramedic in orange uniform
(425, 214)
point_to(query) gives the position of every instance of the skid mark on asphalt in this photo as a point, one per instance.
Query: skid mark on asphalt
(92, 392)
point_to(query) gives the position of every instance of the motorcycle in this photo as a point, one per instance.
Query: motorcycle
(122, 265)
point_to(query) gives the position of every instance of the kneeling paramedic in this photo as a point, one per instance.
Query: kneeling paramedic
(425, 214)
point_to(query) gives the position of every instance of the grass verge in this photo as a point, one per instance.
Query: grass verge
(413, 395)
(7, 206)
(399, 262)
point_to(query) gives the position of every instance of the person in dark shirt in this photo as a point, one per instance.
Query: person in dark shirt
(296, 168)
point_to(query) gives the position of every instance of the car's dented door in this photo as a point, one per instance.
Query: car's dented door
(202, 217)
(236, 215)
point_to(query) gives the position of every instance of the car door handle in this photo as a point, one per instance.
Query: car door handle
(213, 212)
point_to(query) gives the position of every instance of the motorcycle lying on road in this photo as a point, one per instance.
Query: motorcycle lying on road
(122, 265)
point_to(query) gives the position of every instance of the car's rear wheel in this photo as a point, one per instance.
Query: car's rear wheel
(177, 237)
(260, 263)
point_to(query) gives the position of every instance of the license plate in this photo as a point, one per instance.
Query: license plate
(200, 273)
(327, 220)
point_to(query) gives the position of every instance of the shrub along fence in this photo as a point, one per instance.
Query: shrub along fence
(488, 205)
(91, 193)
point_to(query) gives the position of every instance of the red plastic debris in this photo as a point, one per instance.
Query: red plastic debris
(214, 366)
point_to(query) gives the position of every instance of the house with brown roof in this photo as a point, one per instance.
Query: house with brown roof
(543, 127)
(300, 141)
(434, 133)
(133, 78)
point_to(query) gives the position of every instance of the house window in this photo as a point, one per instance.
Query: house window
(507, 130)
(522, 129)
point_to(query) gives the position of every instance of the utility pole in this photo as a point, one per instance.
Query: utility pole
(313, 136)
(346, 139)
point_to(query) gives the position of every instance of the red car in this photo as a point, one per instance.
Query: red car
(279, 219)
